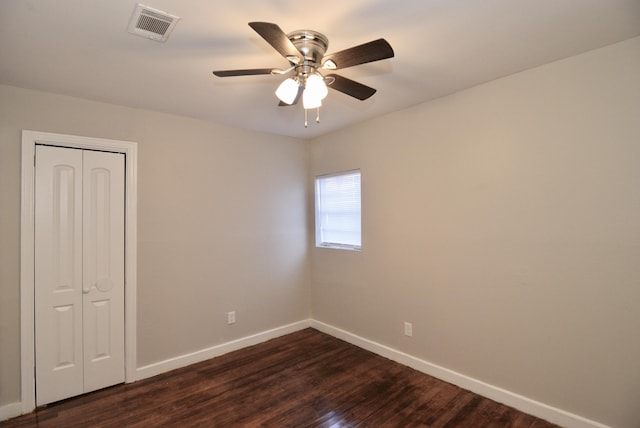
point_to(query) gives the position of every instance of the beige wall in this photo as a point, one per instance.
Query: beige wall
(222, 225)
(504, 223)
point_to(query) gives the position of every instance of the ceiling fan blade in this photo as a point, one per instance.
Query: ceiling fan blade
(248, 72)
(361, 54)
(278, 39)
(351, 87)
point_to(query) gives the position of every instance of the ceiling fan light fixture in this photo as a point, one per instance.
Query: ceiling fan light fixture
(315, 84)
(310, 100)
(288, 90)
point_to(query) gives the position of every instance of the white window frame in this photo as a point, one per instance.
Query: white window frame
(320, 243)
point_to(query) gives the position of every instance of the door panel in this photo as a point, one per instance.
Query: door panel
(79, 287)
(64, 319)
(58, 277)
(103, 273)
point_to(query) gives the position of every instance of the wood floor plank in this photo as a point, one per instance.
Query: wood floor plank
(305, 379)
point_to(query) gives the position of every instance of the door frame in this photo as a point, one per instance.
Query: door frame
(27, 250)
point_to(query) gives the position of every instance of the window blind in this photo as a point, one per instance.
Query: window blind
(338, 216)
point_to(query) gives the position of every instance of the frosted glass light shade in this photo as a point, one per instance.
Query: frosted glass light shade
(310, 100)
(287, 91)
(314, 92)
(316, 85)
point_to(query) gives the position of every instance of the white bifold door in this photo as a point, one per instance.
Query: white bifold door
(79, 271)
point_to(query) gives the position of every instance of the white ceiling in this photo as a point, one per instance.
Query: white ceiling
(82, 48)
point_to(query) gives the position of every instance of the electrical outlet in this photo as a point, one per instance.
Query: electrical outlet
(408, 329)
(231, 317)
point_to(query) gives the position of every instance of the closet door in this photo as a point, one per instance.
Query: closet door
(103, 269)
(58, 274)
(79, 272)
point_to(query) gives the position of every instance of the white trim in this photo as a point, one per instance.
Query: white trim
(320, 243)
(9, 411)
(524, 404)
(27, 353)
(215, 351)
(27, 232)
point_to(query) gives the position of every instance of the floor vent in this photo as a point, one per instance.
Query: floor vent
(151, 23)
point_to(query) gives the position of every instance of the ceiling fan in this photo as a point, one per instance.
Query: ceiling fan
(305, 51)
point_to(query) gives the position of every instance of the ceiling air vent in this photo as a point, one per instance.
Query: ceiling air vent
(151, 23)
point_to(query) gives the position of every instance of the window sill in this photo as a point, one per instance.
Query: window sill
(340, 247)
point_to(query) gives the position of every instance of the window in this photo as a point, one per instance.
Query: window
(338, 210)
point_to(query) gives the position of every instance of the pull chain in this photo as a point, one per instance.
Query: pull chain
(306, 118)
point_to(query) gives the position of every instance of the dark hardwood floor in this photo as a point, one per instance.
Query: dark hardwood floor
(305, 379)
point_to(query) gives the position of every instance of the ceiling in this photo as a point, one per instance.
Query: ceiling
(82, 48)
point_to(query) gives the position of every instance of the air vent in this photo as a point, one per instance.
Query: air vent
(151, 23)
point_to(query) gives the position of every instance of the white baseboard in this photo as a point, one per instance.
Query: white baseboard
(524, 404)
(9, 411)
(15, 409)
(500, 395)
(205, 354)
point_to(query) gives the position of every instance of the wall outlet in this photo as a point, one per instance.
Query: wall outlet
(408, 329)
(231, 317)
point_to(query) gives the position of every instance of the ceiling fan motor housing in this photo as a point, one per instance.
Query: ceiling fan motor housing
(311, 44)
